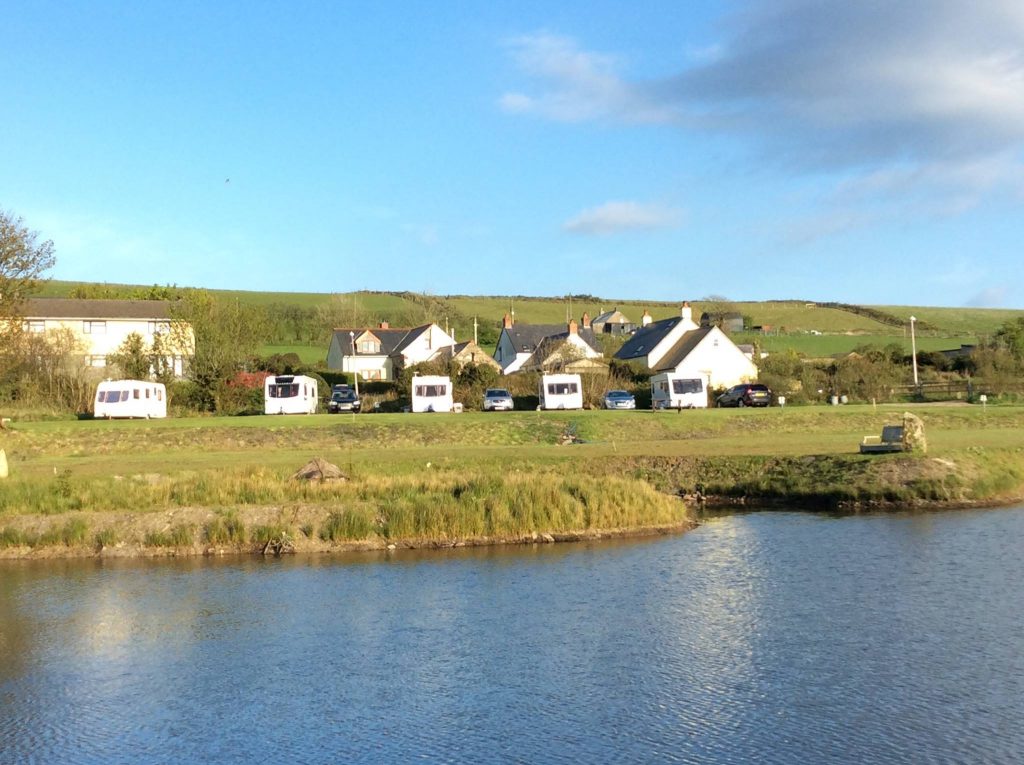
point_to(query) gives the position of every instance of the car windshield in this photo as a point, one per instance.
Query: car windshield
(619, 394)
(496, 394)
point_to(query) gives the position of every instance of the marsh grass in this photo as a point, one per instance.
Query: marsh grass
(73, 532)
(269, 532)
(107, 538)
(180, 535)
(226, 528)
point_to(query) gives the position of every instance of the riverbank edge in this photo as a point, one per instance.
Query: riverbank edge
(307, 546)
(816, 483)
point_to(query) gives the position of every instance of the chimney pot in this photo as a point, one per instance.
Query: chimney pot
(383, 325)
(573, 327)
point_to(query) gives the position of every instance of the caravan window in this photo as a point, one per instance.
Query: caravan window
(431, 391)
(284, 390)
(135, 393)
(687, 386)
(562, 389)
(159, 394)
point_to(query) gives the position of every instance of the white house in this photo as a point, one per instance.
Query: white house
(678, 345)
(538, 346)
(101, 326)
(380, 353)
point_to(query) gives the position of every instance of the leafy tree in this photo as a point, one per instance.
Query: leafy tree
(218, 337)
(132, 358)
(23, 260)
(1010, 337)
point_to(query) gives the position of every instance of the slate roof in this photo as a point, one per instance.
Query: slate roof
(391, 340)
(645, 339)
(73, 308)
(526, 338)
(683, 347)
(614, 316)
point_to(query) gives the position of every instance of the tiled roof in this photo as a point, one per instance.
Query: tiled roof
(527, 337)
(390, 339)
(683, 347)
(646, 338)
(614, 316)
(72, 308)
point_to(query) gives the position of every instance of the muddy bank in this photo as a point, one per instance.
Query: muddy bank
(270, 531)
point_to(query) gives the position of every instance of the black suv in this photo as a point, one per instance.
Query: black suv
(747, 394)
(344, 401)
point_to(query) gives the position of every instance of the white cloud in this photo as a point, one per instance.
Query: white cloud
(911, 108)
(613, 217)
(577, 85)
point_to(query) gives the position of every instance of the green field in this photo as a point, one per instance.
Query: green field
(184, 485)
(792, 322)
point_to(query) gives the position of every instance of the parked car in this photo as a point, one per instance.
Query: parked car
(344, 401)
(746, 394)
(619, 399)
(498, 399)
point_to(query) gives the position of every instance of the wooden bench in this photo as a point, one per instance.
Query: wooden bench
(891, 440)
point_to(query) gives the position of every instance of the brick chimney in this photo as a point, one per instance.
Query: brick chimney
(646, 318)
(507, 322)
(574, 328)
(585, 320)
(383, 325)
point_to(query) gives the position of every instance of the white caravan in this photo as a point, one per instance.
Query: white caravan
(130, 398)
(431, 393)
(560, 392)
(290, 394)
(675, 391)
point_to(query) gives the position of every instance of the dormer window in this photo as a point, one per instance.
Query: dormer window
(369, 346)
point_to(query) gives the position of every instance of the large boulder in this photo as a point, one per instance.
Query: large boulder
(913, 434)
(318, 469)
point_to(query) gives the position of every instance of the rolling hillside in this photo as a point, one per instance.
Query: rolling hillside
(809, 328)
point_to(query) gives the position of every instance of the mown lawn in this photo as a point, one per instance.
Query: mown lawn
(405, 443)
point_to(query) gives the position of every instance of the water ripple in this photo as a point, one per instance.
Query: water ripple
(770, 638)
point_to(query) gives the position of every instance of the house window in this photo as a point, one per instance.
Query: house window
(368, 346)
(96, 361)
(94, 327)
(372, 374)
(35, 325)
(159, 326)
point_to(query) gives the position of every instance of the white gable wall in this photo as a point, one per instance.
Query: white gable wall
(427, 345)
(718, 357)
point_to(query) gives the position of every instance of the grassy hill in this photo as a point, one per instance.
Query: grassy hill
(808, 327)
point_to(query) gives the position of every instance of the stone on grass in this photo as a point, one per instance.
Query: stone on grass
(913, 434)
(318, 469)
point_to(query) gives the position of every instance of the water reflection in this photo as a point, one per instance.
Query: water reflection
(771, 637)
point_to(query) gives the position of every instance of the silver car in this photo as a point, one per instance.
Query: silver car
(619, 399)
(498, 399)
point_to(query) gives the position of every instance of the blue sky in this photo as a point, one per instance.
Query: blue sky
(865, 152)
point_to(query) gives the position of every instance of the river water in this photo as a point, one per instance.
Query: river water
(761, 637)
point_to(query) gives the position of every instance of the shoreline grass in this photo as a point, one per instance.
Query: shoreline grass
(224, 483)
